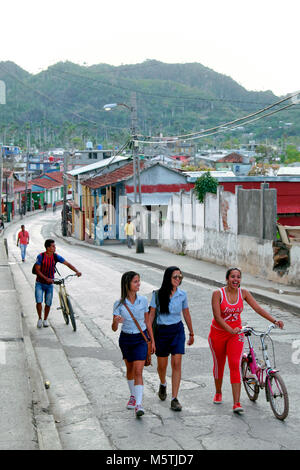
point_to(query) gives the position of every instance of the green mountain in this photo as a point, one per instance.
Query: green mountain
(64, 104)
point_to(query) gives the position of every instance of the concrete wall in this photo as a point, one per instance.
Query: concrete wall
(212, 232)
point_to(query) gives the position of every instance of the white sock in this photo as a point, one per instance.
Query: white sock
(131, 387)
(139, 389)
(164, 385)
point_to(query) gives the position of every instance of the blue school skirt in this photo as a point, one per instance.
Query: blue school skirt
(169, 339)
(133, 346)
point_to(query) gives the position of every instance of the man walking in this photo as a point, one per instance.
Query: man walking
(129, 232)
(23, 239)
(45, 269)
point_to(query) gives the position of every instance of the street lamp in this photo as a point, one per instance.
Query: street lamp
(136, 159)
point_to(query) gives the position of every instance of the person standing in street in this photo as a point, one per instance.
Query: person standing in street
(45, 269)
(167, 305)
(225, 337)
(131, 341)
(23, 240)
(129, 232)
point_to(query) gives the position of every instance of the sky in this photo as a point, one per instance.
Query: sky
(255, 42)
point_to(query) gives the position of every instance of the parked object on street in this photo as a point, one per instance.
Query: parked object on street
(166, 308)
(45, 269)
(226, 338)
(262, 375)
(23, 240)
(131, 341)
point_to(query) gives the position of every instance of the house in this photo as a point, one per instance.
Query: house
(109, 198)
(46, 190)
(239, 164)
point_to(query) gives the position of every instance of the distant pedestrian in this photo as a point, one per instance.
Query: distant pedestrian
(131, 341)
(23, 240)
(1, 225)
(54, 206)
(225, 337)
(167, 305)
(45, 206)
(129, 232)
(45, 269)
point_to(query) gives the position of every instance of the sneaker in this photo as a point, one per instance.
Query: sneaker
(39, 323)
(218, 398)
(139, 411)
(175, 405)
(162, 392)
(45, 323)
(237, 408)
(131, 404)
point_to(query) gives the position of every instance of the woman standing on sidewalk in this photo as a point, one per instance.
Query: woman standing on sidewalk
(133, 345)
(168, 304)
(225, 338)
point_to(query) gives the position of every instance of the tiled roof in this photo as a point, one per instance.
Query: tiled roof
(45, 183)
(232, 157)
(120, 174)
(55, 175)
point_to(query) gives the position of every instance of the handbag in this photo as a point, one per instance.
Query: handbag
(149, 344)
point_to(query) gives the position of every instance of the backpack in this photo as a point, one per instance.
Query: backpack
(43, 254)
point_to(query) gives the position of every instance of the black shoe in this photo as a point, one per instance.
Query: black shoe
(162, 392)
(175, 405)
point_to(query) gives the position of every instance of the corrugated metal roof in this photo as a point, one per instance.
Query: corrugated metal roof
(120, 174)
(97, 165)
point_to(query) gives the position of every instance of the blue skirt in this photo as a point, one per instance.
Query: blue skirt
(133, 346)
(169, 339)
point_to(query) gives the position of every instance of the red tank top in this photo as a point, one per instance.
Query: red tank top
(231, 313)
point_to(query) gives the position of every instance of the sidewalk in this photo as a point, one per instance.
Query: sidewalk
(26, 423)
(285, 297)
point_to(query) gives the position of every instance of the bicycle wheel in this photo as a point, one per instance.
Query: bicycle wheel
(252, 389)
(277, 395)
(71, 313)
(63, 308)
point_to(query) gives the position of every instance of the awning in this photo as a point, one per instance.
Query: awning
(155, 199)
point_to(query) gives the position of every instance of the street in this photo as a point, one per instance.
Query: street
(88, 390)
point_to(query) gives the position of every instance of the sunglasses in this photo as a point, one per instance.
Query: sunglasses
(177, 276)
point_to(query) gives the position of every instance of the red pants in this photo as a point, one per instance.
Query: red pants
(224, 344)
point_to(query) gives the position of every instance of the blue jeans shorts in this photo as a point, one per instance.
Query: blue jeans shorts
(43, 290)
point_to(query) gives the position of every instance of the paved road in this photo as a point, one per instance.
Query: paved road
(88, 391)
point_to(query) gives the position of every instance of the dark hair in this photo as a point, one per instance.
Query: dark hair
(48, 243)
(125, 284)
(232, 269)
(166, 289)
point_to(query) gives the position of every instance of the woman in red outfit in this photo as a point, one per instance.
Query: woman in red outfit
(225, 339)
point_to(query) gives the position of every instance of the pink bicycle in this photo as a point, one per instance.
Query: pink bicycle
(257, 375)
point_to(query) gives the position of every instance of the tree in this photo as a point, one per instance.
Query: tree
(206, 184)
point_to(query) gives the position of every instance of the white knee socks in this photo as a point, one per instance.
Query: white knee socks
(139, 394)
(131, 387)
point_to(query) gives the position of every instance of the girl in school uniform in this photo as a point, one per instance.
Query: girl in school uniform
(132, 344)
(168, 304)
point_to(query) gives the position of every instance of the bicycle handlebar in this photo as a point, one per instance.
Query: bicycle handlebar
(250, 329)
(63, 279)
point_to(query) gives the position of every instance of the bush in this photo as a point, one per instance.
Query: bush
(206, 184)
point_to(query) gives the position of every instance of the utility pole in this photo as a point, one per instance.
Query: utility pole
(136, 168)
(64, 214)
(1, 176)
(26, 174)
